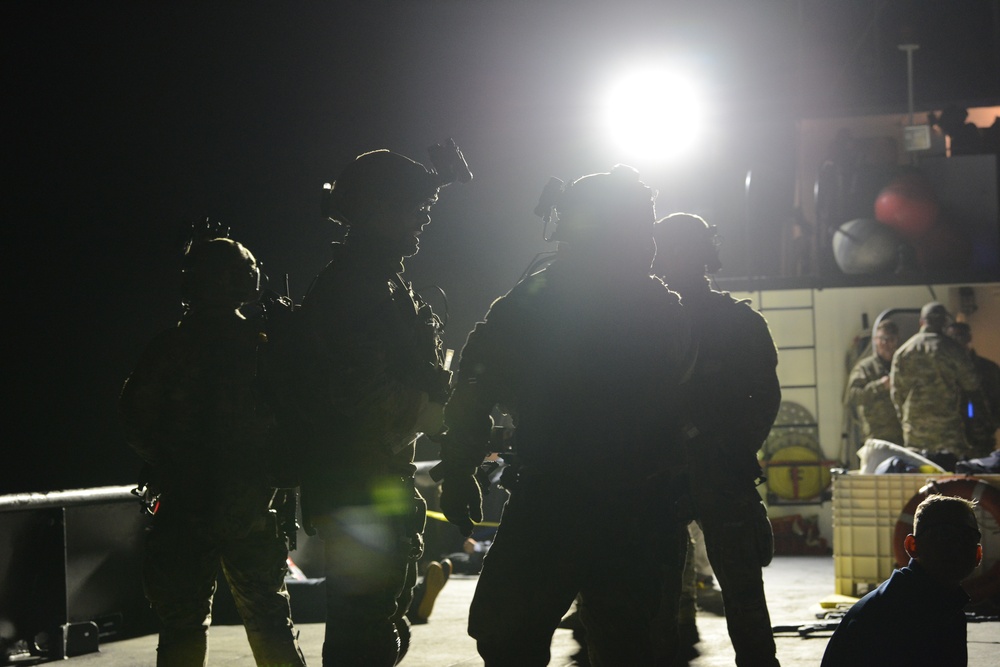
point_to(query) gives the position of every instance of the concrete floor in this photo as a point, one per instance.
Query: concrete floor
(795, 585)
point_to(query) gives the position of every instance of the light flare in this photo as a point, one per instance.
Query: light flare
(655, 112)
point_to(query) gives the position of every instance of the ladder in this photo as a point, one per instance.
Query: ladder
(792, 457)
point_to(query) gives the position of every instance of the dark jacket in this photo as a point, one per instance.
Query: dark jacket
(190, 411)
(910, 620)
(364, 346)
(587, 363)
(733, 394)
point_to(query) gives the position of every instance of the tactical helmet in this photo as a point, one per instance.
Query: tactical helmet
(689, 236)
(379, 175)
(601, 207)
(219, 272)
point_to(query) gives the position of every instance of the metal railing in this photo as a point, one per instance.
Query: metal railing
(68, 498)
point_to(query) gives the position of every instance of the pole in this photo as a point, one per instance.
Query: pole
(910, 48)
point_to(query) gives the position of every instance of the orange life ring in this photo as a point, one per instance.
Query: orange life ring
(979, 587)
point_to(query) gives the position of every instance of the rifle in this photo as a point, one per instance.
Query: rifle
(806, 630)
(147, 492)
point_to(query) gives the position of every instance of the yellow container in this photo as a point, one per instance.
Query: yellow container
(865, 511)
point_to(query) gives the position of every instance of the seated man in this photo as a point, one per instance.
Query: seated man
(916, 617)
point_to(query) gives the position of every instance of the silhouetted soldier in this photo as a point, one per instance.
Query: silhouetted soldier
(868, 387)
(730, 401)
(365, 375)
(190, 411)
(586, 356)
(931, 374)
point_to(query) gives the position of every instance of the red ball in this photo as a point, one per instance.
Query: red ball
(908, 206)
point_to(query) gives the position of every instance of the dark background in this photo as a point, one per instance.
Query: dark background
(123, 123)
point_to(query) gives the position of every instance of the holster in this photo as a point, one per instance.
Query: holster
(284, 506)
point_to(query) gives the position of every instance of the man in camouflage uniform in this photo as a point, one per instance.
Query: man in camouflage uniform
(982, 424)
(730, 402)
(585, 356)
(190, 412)
(366, 375)
(930, 375)
(868, 387)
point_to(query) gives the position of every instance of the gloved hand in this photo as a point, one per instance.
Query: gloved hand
(462, 501)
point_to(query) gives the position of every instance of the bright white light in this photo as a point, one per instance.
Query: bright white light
(655, 113)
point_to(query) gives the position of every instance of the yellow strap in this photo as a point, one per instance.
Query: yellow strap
(431, 514)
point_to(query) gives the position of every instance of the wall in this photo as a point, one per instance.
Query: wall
(836, 318)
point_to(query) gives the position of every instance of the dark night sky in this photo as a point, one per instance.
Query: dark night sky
(125, 122)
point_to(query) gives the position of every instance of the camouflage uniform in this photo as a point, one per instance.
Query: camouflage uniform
(867, 393)
(587, 364)
(367, 348)
(190, 412)
(930, 372)
(731, 400)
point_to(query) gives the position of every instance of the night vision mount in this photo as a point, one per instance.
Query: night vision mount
(448, 163)
(550, 197)
(205, 230)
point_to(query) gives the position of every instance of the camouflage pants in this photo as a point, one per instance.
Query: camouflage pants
(370, 564)
(555, 543)
(740, 543)
(180, 568)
